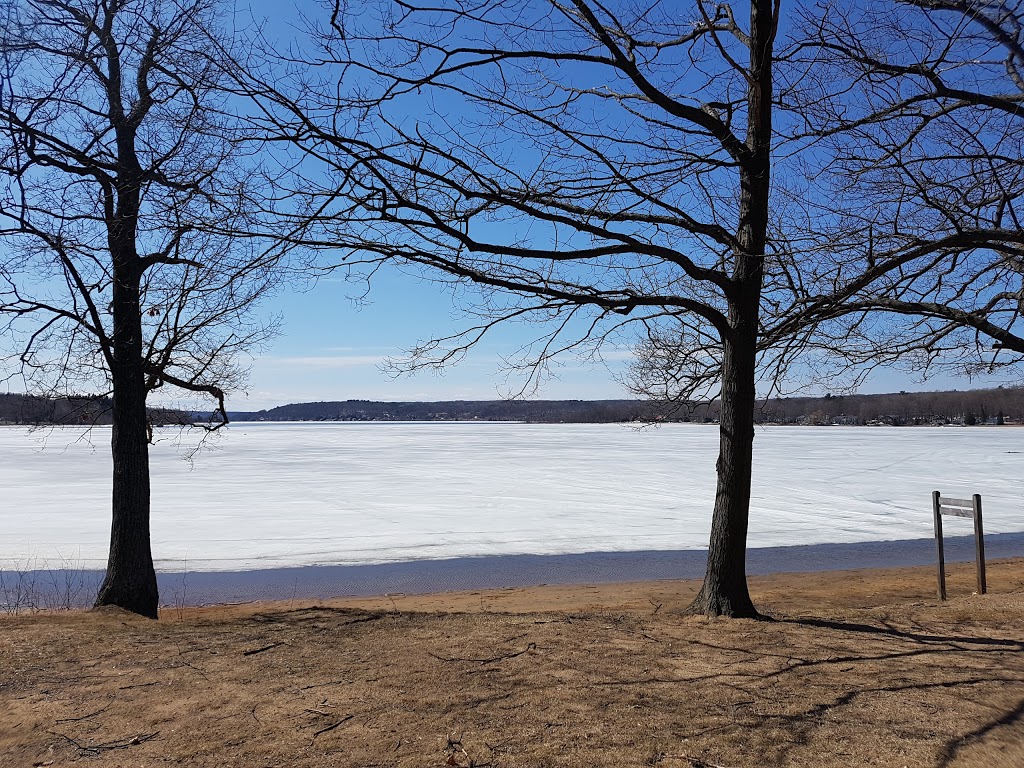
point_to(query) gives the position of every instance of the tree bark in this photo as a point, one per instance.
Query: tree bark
(130, 581)
(724, 592)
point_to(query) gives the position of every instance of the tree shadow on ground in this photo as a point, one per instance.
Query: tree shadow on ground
(953, 747)
(872, 629)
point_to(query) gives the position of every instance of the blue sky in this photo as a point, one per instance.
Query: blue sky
(333, 347)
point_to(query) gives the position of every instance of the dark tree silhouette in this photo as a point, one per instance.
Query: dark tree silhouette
(128, 260)
(612, 172)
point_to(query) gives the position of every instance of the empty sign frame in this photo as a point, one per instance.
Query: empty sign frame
(943, 505)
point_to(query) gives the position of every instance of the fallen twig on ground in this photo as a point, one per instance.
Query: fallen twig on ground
(490, 660)
(696, 762)
(131, 741)
(254, 651)
(83, 717)
(331, 727)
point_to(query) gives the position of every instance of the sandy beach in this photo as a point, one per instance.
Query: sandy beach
(853, 667)
(473, 573)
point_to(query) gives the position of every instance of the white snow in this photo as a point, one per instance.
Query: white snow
(273, 495)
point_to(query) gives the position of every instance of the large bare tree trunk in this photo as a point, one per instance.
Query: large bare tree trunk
(724, 592)
(130, 582)
(131, 579)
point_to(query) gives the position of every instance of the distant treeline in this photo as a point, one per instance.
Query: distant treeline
(83, 410)
(541, 411)
(1004, 405)
(973, 406)
(980, 406)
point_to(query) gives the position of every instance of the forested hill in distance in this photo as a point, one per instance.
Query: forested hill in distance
(1004, 405)
(977, 406)
(84, 410)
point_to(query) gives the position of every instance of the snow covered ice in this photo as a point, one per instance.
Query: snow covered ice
(274, 495)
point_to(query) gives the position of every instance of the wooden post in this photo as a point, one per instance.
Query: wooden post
(938, 544)
(979, 544)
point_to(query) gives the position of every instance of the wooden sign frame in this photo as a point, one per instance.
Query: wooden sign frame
(945, 505)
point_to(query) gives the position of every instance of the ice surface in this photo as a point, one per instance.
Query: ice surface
(273, 495)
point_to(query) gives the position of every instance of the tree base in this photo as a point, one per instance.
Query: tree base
(138, 597)
(716, 603)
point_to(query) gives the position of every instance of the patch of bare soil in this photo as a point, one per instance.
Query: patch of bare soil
(855, 668)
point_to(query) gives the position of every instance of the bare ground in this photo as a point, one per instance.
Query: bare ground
(853, 668)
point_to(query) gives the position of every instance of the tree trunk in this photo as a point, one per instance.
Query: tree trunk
(130, 582)
(724, 592)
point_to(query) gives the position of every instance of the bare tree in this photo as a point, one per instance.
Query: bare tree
(919, 107)
(129, 260)
(609, 172)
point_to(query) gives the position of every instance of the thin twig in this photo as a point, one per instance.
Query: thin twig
(131, 741)
(323, 685)
(254, 651)
(83, 717)
(492, 659)
(332, 727)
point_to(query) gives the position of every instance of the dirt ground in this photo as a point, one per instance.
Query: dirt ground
(852, 668)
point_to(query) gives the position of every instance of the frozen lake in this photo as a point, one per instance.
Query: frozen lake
(276, 495)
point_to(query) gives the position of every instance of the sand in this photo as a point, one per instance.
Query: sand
(861, 667)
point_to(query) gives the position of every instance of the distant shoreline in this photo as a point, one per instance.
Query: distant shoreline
(995, 406)
(639, 424)
(572, 423)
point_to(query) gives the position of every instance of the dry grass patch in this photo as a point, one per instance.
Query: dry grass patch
(626, 684)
